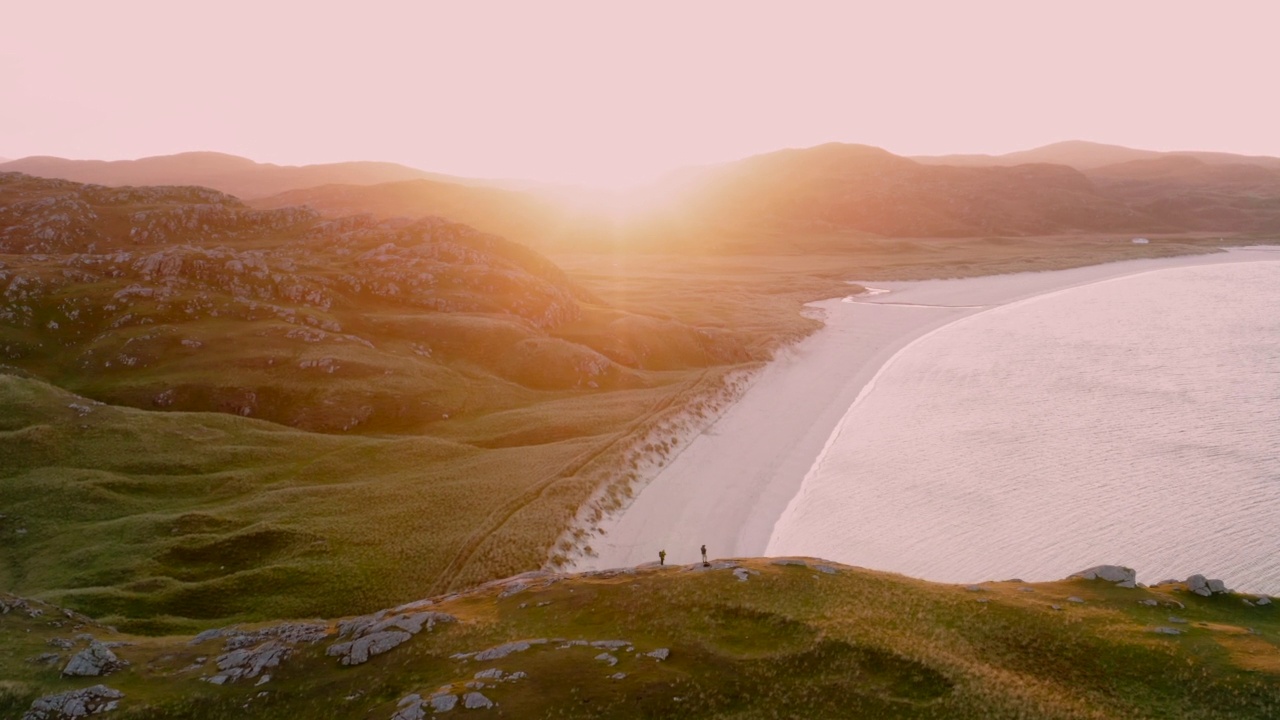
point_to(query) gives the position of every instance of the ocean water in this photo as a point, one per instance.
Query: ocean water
(1134, 421)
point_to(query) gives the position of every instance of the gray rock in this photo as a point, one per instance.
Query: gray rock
(789, 561)
(207, 635)
(973, 588)
(1264, 600)
(501, 651)
(95, 660)
(1217, 586)
(741, 574)
(476, 701)
(1199, 585)
(1110, 573)
(660, 654)
(490, 674)
(1149, 602)
(1127, 584)
(825, 569)
(250, 662)
(1163, 630)
(517, 675)
(1176, 619)
(444, 702)
(410, 708)
(1075, 599)
(606, 657)
(62, 643)
(475, 685)
(45, 659)
(617, 676)
(74, 703)
(218, 680)
(609, 644)
(360, 650)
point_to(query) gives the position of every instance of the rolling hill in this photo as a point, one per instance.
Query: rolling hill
(753, 638)
(1083, 155)
(227, 173)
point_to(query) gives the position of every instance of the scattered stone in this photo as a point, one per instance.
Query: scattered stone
(1122, 576)
(475, 685)
(1026, 589)
(606, 657)
(1246, 602)
(1199, 585)
(1056, 607)
(208, 635)
(789, 561)
(1163, 630)
(45, 659)
(95, 660)
(359, 651)
(517, 675)
(1264, 600)
(61, 643)
(263, 680)
(218, 679)
(250, 662)
(444, 702)
(974, 588)
(1217, 586)
(1176, 619)
(490, 674)
(609, 644)
(1075, 599)
(660, 654)
(740, 573)
(1149, 602)
(825, 569)
(982, 600)
(501, 651)
(475, 701)
(617, 676)
(75, 703)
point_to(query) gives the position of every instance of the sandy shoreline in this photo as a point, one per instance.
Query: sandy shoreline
(732, 483)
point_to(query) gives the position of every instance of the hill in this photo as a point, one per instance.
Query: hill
(228, 173)
(738, 639)
(526, 217)
(1083, 155)
(855, 188)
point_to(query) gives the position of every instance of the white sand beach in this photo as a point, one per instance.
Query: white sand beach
(731, 483)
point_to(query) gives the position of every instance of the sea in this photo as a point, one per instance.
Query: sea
(1134, 421)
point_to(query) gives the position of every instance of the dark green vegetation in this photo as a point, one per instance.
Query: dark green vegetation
(798, 640)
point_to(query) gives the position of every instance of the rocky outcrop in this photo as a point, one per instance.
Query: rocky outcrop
(1204, 587)
(375, 634)
(75, 703)
(250, 662)
(1121, 576)
(94, 661)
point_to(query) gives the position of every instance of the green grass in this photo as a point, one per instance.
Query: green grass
(789, 642)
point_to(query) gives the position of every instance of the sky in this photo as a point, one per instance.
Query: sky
(612, 93)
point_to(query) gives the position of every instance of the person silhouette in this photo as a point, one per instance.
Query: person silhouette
(662, 557)
(704, 556)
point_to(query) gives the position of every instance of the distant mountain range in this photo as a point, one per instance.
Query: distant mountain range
(1065, 188)
(230, 174)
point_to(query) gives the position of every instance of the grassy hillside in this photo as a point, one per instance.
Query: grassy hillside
(742, 639)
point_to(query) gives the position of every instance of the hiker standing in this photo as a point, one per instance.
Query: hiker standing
(662, 557)
(704, 555)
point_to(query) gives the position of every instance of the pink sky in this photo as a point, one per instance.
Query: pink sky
(602, 92)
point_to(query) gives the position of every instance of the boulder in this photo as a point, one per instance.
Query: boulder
(1264, 600)
(93, 661)
(1123, 576)
(607, 658)
(476, 701)
(445, 702)
(660, 654)
(250, 662)
(1217, 587)
(1199, 585)
(360, 650)
(74, 703)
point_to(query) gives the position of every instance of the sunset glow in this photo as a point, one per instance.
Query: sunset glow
(592, 93)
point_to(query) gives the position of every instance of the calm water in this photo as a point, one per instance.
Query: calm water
(1133, 422)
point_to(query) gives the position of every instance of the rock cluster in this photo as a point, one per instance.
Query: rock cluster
(74, 703)
(375, 634)
(1204, 587)
(93, 661)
